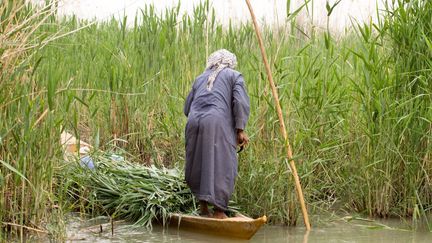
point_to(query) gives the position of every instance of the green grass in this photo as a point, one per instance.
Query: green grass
(358, 110)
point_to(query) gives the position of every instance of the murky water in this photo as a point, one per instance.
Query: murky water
(330, 231)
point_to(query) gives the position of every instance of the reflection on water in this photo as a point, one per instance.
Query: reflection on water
(336, 231)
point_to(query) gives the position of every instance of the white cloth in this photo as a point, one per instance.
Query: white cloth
(217, 61)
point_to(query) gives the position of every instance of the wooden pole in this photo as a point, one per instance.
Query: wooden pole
(281, 119)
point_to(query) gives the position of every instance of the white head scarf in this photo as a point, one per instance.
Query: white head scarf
(217, 61)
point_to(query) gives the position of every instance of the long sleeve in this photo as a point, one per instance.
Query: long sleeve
(188, 102)
(241, 105)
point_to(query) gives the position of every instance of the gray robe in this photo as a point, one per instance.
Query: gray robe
(211, 138)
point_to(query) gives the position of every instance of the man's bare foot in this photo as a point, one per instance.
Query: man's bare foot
(204, 211)
(219, 214)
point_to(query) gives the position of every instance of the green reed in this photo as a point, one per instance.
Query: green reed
(27, 126)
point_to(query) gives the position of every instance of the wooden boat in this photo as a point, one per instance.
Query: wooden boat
(239, 226)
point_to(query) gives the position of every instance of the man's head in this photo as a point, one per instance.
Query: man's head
(222, 57)
(217, 61)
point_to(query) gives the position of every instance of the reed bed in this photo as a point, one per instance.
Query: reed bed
(27, 127)
(358, 109)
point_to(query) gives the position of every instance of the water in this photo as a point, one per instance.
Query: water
(331, 231)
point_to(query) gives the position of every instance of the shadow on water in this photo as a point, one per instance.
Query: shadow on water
(346, 229)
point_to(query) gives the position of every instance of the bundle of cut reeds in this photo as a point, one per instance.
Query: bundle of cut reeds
(130, 191)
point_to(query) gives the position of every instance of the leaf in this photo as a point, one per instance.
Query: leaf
(428, 42)
(11, 168)
(36, 66)
(330, 9)
(294, 14)
(288, 7)
(51, 93)
(81, 101)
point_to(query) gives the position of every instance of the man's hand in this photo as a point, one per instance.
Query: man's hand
(242, 138)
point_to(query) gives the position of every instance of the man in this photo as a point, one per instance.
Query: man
(217, 108)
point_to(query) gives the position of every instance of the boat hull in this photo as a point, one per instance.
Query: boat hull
(239, 226)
